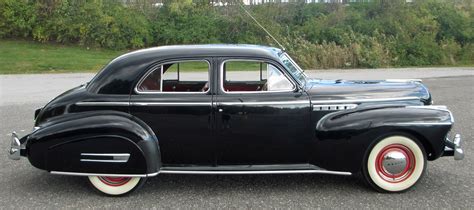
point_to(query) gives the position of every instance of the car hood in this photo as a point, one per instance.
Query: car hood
(367, 90)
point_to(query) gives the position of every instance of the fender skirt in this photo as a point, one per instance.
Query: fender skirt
(108, 142)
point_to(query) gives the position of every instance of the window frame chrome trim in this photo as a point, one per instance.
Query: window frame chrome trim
(149, 71)
(221, 78)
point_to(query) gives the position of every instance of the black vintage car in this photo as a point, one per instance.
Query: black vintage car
(235, 109)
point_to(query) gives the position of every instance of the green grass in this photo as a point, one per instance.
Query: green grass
(21, 57)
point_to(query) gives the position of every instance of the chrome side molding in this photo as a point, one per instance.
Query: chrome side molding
(105, 157)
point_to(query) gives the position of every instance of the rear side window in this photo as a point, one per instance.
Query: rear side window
(180, 76)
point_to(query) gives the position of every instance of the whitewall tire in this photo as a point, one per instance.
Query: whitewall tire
(395, 163)
(116, 186)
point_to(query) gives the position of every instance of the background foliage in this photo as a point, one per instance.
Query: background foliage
(323, 35)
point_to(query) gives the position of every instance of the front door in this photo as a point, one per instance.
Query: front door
(175, 100)
(261, 116)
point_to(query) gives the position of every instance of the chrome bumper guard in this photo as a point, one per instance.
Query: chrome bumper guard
(16, 147)
(454, 147)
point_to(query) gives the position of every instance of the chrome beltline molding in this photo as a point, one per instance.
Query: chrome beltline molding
(102, 103)
(171, 103)
(363, 100)
(264, 103)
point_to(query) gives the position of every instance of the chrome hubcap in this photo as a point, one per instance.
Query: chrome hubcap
(394, 162)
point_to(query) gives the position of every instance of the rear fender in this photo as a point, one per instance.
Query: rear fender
(95, 142)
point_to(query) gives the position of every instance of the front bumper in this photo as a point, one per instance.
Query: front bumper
(454, 147)
(17, 148)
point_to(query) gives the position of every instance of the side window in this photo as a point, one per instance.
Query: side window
(182, 76)
(253, 76)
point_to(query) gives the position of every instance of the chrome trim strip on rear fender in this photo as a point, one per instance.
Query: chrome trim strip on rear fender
(100, 174)
(363, 100)
(116, 157)
(101, 103)
(257, 172)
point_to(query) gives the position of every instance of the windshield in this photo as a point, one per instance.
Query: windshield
(294, 69)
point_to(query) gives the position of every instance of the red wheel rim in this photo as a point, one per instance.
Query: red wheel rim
(404, 174)
(114, 181)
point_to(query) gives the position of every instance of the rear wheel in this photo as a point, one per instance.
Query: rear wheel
(116, 186)
(395, 164)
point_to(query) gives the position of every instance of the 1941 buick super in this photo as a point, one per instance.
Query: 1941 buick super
(235, 109)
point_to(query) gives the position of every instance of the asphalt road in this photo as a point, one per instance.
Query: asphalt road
(446, 184)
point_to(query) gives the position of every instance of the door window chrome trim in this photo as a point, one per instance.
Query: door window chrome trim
(155, 67)
(221, 76)
(364, 100)
(256, 172)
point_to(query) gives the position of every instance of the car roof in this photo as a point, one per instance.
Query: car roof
(124, 70)
(206, 50)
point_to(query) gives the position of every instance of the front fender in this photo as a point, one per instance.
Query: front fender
(343, 137)
(62, 144)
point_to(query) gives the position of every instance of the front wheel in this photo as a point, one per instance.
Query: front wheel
(395, 164)
(116, 186)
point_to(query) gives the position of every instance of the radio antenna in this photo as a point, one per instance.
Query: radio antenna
(260, 25)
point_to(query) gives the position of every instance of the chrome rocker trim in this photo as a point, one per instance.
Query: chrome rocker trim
(454, 148)
(255, 172)
(100, 174)
(206, 173)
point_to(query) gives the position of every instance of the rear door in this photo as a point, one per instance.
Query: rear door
(174, 98)
(261, 116)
